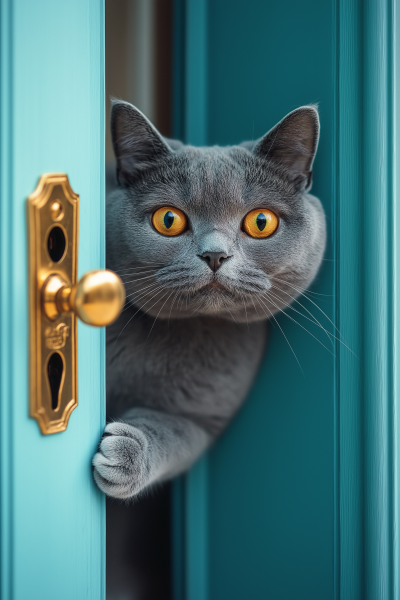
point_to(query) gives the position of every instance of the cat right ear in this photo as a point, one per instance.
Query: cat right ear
(292, 143)
(137, 143)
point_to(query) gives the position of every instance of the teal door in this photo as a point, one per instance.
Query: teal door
(300, 497)
(51, 120)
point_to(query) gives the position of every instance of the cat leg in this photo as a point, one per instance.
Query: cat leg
(147, 447)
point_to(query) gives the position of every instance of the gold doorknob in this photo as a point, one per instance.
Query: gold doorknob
(97, 299)
(57, 298)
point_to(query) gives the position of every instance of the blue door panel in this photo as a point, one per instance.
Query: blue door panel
(52, 109)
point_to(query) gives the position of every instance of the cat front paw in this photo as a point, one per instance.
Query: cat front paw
(120, 465)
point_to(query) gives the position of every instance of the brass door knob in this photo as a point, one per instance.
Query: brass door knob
(97, 299)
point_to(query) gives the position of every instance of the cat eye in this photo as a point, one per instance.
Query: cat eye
(169, 221)
(260, 223)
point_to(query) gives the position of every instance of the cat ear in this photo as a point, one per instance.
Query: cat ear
(293, 142)
(137, 143)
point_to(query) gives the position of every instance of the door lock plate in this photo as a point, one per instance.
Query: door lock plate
(56, 299)
(53, 210)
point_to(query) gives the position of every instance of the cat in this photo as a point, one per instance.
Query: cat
(209, 242)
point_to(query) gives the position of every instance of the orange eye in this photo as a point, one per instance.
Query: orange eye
(169, 221)
(260, 223)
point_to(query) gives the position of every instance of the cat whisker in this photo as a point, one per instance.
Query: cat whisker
(312, 302)
(119, 335)
(299, 324)
(329, 334)
(154, 322)
(254, 306)
(181, 301)
(195, 310)
(138, 268)
(226, 306)
(139, 310)
(271, 315)
(313, 320)
(146, 285)
(159, 300)
(142, 268)
(133, 269)
(136, 299)
(245, 310)
(140, 279)
(142, 289)
(179, 298)
(307, 291)
(141, 296)
(172, 304)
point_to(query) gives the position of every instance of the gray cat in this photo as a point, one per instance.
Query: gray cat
(210, 243)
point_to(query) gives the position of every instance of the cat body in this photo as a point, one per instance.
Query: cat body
(183, 354)
(199, 368)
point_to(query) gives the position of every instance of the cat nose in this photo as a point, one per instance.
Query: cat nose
(214, 259)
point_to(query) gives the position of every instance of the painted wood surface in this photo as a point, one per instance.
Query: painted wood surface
(302, 492)
(367, 251)
(52, 119)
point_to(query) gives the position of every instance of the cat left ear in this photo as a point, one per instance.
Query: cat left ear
(293, 143)
(137, 143)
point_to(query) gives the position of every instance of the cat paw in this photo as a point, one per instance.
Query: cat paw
(120, 465)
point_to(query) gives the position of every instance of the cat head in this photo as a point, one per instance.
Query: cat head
(230, 232)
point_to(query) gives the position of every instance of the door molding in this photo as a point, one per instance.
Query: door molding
(367, 299)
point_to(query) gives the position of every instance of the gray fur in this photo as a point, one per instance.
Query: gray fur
(183, 354)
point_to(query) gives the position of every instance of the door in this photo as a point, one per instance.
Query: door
(300, 496)
(52, 120)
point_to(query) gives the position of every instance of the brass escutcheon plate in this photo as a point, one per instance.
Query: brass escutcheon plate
(52, 217)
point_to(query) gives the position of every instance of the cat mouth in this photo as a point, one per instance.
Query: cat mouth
(212, 288)
(215, 285)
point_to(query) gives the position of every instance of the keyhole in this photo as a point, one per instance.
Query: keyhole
(54, 371)
(56, 244)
